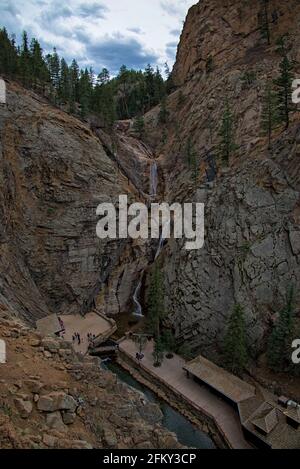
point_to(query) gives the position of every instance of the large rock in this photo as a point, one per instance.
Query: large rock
(57, 401)
(55, 422)
(24, 407)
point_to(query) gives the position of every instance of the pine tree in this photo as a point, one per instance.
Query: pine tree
(163, 112)
(269, 118)
(158, 352)
(8, 54)
(64, 87)
(284, 89)
(85, 92)
(235, 349)
(169, 342)
(139, 126)
(264, 20)
(279, 346)
(25, 61)
(155, 302)
(227, 145)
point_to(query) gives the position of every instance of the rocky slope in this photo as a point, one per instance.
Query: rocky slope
(252, 247)
(52, 398)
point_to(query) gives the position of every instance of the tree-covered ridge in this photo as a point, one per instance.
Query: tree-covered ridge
(80, 91)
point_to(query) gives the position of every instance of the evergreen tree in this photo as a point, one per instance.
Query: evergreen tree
(8, 54)
(158, 352)
(227, 145)
(25, 61)
(155, 302)
(163, 112)
(209, 64)
(235, 341)
(264, 21)
(85, 92)
(139, 126)
(279, 347)
(269, 112)
(103, 77)
(64, 87)
(284, 89)
(74, 85)
(169, 342)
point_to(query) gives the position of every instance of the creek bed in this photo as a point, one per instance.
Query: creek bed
(187, 434)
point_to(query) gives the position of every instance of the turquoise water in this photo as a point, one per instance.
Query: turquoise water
(187, 434)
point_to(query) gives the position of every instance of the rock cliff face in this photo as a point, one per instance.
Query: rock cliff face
(54, 171)
(251, 252)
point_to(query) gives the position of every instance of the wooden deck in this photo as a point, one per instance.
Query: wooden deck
(172, 374)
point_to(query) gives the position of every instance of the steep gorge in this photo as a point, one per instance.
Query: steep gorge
(55, 170)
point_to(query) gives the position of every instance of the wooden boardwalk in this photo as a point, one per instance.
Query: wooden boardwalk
(172, 374)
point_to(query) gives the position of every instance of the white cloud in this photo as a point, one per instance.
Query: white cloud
(85, 29)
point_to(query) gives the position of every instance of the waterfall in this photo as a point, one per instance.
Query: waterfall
(162, 238)
(153, 179)
(138, 307)
(153, 193)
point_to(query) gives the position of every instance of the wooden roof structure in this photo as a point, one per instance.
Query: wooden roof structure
(220, 380)
(265, 418)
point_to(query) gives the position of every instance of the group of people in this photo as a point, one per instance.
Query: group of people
(91, 338)
(76, 338)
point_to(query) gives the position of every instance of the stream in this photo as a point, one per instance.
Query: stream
(187, 434)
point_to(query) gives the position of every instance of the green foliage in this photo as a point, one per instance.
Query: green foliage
(248, 79)
(125, 96)
(168, 341)
(209, 64)
(264, 23)
(227, 145)
(163, 112)
(185, 352)
(139, 126)
(158, 352)
(283, 86)
(155, 302)
(279, 346)
(269, 117)
(235, 349)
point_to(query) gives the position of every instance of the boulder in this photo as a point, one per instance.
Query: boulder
(55, 422)
(23, 407)
(68, 418)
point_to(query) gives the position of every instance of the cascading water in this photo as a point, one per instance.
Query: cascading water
(162, 238)
(153, 193)
(138, 308)
(153, 179)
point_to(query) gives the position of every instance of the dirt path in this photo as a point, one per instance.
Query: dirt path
(173, 374)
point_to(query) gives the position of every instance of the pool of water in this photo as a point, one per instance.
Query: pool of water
(187, 434)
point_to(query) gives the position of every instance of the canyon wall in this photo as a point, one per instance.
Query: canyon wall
(252, 244)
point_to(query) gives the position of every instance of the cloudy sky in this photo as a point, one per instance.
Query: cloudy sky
(102, 33)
